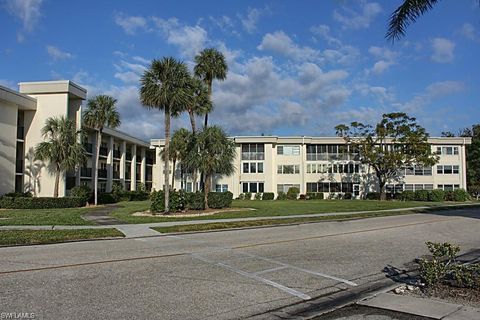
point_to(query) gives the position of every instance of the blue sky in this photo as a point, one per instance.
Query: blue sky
(295, 67)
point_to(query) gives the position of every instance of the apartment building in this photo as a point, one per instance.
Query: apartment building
(123, 158)
(319, 164)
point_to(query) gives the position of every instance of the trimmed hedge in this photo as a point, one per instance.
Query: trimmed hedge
(83, 192)
(292, 193)
(268, 196)
(248, 195)
(408, 195)
(421, 195)
(258, 196)
(282, 196)
(373, 196)
(40, 202)
(436, 195)
(180, 200)
(18, 194)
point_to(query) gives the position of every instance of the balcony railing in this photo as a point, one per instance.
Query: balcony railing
(149, 177)
(116, 154)
(128, 175)
(19, 166)
(102, 173)
(103, 151)
(128, 156)
(116, 175)
(20, 133)
(86, 172)
(88, 147)
(138, 175)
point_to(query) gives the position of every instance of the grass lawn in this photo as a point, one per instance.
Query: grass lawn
(39, 217)
(274, 208)
(21, 237)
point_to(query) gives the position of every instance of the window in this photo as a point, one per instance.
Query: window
(330, 187)
(253, 187)
(447, 150)
(415, 187)
(418, 171)
(253, 151)
(187, 186)
(448, 187)
(252, 167)
(288, 169)
(448, 169)
(102, 187)
(288, 150)
(285, 187)
(221, 187)
(331, 152)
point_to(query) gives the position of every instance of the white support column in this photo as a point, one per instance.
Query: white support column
(94, 167)
(110, 164)
(133, 172)
(143, 165)
(463, 160)
(123, 148)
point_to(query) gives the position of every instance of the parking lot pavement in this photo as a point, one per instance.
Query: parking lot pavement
(217, 275)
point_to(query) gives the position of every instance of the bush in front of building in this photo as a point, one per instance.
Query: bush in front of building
(248, 196)
(258, 196)
(83, 192)
(458, 195)
(241, 196)
(194, 200)
(40, 202)
(268, 196)
(421, 195)
(18, 194)
(373, 196)
(282, 196)
(347, 196)
(176, 201)
(218, 200)
(180, 200)
(436, 195)
(292, 193)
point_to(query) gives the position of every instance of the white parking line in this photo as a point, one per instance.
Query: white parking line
(271, 270)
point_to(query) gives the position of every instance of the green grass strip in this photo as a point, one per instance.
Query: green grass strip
(24, 237)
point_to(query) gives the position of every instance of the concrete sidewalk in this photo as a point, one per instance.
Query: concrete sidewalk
(429, 308)
(143, 229)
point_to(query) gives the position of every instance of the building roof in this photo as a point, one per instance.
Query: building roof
(23, 101)
(61, 86)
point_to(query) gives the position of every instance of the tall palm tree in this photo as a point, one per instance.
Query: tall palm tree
(165, 86)
(214, 154)
(178, 149)
(210, 64)
(101, 112)
(200, 103)
(61, 147)
(406, 14)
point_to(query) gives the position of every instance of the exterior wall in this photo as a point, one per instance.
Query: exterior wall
(8, 145)
(362, 181)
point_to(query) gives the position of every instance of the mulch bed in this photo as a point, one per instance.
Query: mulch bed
(464, 296)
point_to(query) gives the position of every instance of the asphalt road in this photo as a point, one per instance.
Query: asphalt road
(218, 275)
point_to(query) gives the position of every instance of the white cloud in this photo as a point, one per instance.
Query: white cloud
(28, 12)
(131, 24)
(323, 31)
(249, 22)
(189, 39)
(387, 58)
(469, 32)
(442, 50)
(279, 42)
(351, 19)
(56, 54)
(432, 92)
(130, 73)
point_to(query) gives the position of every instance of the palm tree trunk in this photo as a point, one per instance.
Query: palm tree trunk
(166, 159)
(57, 182)
(173, 173)
(210, 95)
(192, 121)
(95, 173)
(206, 190)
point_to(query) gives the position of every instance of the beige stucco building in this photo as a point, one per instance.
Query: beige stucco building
(263, 163)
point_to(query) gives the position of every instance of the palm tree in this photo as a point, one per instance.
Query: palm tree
(61, 147)
(210, 64)
(200, 103)
(178, 149)
(214, 154)
(406, 14)
(165, 86)
(101, 112)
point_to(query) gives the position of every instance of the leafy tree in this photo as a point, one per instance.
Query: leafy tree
(61, 147)
(178, 149)
(408, 12)
(212, 152)
(101, 112)
(210, 64)
(395, 142)
(165, 85)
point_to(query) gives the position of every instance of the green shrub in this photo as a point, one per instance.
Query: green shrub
(408, 195)
(421, 195)
(465, 276)
(137, 195)
(347, 196)
(460, 195)
(40, 202)
(292, 193)
(248, 195)
(218, 200)
(314, 196)
(436, 195)
(435, 270)
(241, 196)
(302, 197)
(258, 196)
(117, 192)
(373, 196)
(83, 192)
(282, 196)
(449, 196)
(18, 194)
(176, 201)
(319, 196)
(268, 196)
(106, 198)
(194, 200)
